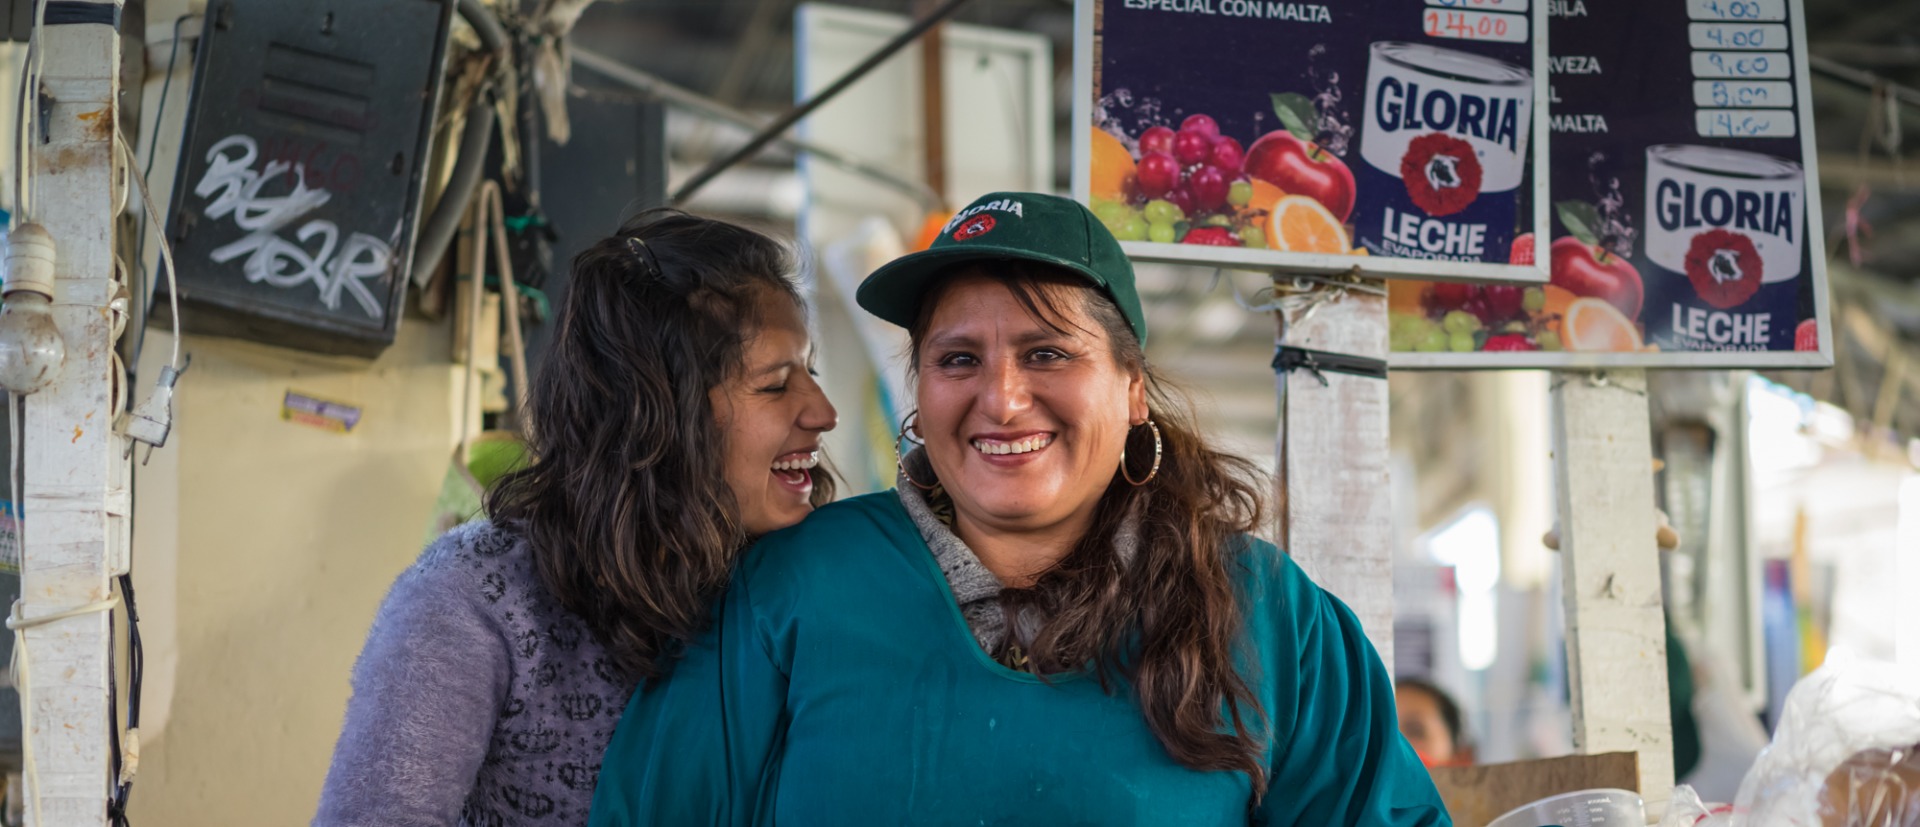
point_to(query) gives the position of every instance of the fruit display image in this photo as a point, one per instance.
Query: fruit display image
(1290, 129)
(1194, 185)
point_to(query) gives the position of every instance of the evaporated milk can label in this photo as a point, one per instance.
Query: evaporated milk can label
(1725, 232)
(1444, 144)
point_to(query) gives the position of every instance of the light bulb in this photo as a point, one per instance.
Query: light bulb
(31, 350)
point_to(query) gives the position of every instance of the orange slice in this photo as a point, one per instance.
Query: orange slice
(1264, 196)
(1299, 224)
(1595, 326)
(1111, 166)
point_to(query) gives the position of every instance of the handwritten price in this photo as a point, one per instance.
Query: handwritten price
(1472, 25)
(1737, 9)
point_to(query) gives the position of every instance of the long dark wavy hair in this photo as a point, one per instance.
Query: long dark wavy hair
(1169, 622)
(626, 504)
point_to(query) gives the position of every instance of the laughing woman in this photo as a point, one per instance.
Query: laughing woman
(1058, 616)
(674, 418)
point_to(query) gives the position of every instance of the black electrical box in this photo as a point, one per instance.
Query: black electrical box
(296, 202)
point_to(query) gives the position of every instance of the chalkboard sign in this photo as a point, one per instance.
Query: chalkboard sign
(294, 210)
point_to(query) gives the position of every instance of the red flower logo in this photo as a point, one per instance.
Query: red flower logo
(1724, 267)
(974, 227)
(1441, 172)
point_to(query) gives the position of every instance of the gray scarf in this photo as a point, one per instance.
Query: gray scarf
(974, 587)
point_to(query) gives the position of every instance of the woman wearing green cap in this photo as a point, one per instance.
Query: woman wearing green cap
(1057, 617)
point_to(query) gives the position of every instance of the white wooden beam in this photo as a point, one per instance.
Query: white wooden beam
(75, 471)
(1610, 573)
(1331, 463)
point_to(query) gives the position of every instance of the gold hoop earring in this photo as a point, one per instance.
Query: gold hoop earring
(900, 460)
(1156, 459)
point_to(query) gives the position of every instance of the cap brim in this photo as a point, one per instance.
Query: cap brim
(894, 291)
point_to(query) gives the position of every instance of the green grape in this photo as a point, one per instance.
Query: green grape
(1547, 340)
(1160, 233)
(1133, 229)
(1460, 343)
(1460, 321)
(1253, 236)
(1162, 211)
(1240, 193)
(1217, 221)
(1434, 341)
(1534, 300)
(1109, 211)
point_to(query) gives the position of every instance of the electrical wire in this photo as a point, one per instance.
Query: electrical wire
(142, 290)
(30, 72)
(166, 250)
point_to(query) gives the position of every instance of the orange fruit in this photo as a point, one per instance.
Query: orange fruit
(1595, 326)
(1558, 300)
(1112, 165)
(1300, 224)
(1264, 196)
(1404, 296)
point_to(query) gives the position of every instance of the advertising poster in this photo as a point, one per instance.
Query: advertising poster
(1685, 206)
(1396, 135)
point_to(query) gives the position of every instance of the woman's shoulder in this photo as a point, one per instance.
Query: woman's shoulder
(837, 537)
(476, 561)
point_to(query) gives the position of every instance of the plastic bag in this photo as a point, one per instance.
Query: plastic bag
(1846, 754)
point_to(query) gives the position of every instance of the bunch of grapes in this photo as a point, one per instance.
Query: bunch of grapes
(1187, 187)
(1468, 317)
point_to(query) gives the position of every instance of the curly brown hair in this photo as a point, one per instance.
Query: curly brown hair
(626, 506)
(1168, 623)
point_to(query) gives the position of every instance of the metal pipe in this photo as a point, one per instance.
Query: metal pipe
(1860, 77)
(437, 231)
(690, 101)
(793, 116)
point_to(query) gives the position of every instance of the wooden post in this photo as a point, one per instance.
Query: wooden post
(933, 102)
(1335, 514)
(1610, 573)
(75, 476)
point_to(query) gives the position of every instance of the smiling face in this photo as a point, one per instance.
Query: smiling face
(1024, 417)
(771, 415)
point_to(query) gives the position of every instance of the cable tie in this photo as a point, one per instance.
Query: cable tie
(1287, 359)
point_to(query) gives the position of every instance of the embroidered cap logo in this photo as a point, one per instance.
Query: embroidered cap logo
(974, 227)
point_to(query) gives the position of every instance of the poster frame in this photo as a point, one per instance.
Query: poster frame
(1683, 360)
(1276, 261)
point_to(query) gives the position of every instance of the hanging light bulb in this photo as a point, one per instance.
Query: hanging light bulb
(31, 348)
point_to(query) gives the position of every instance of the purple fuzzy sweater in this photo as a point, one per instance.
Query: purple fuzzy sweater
(478, 700)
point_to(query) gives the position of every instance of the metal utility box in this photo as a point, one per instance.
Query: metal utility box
(294, 210)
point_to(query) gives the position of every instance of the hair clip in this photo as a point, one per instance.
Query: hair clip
(640, 248)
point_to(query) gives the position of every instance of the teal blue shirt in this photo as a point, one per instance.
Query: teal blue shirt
(841, 685)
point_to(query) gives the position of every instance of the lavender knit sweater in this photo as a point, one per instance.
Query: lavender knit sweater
(478, 700)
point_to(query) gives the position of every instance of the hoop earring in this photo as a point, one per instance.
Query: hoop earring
(1156, 459)
(899, 460)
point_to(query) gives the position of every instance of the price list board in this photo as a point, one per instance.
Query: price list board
(1686, 215)
(1394, 137)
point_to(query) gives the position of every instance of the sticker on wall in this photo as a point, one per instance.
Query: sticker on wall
(326, 415)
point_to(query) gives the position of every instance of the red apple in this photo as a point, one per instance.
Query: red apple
(1156, 139)
(1591, 270)
(1156, 174)
(1302, 168)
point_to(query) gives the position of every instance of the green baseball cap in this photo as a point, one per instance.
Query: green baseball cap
(1029, 226)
